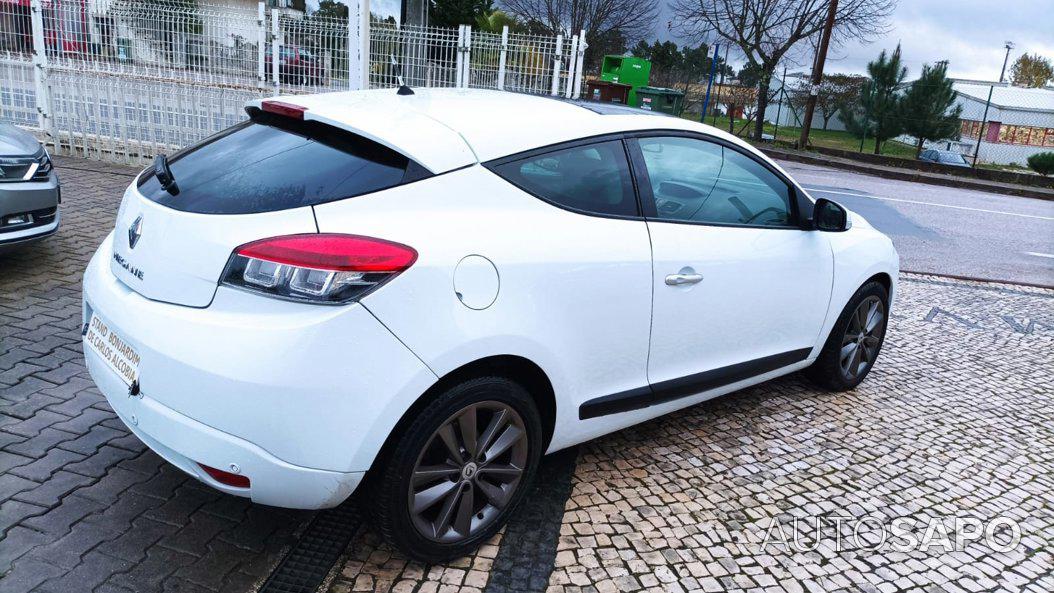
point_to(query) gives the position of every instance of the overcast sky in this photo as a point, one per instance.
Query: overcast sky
(968, 33)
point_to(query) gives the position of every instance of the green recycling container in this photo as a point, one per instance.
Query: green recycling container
(626, 70)
(660, 99)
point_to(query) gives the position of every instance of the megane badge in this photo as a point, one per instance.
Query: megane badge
(135, 231)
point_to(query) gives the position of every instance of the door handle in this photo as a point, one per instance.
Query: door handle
(682, 279)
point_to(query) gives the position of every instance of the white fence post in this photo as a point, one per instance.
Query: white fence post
(555, 90)
(572, 62)
(276, 43)
(359, 45)
(40, 67)
(261, 45)
(582, 45)
(459, 57)
(501, 57)
(467, 68)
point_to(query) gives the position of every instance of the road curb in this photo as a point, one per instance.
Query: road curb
(912, 175)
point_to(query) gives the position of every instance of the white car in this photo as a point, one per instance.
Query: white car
(422, 294)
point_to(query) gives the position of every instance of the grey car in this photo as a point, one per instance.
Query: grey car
(29, 188)
(944, 157)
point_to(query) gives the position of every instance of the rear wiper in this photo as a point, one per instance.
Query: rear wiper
(164, 175)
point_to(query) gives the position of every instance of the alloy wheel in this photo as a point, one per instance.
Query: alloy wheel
(468, 471)
(862, 338)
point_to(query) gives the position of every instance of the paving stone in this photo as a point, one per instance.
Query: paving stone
(26, 574)
(46, 466)
(58, 520)
(17, 542)
(39, 445)
(136, 541)
(51, 491)
(69, 550)
(95, 569)
(97, 464)
(148, 574)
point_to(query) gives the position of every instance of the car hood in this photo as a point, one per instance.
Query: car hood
(16, 142)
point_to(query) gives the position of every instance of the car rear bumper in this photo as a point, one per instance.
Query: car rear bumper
(185, 442)
(299, 397)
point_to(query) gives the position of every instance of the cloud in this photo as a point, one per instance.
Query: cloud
(968, 33)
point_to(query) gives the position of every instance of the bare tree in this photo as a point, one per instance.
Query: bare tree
(610, 25)
(765, 31)
(835, 90)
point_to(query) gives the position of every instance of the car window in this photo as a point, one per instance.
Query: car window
(594, 178)
(697, 181)
(276, 163)
(952, 157)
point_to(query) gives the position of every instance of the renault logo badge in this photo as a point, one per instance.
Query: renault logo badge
(135, 231)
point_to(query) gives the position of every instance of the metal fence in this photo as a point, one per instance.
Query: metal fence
(122, 80)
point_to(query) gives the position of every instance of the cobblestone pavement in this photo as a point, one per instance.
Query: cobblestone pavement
(957, 419)
(83, 504)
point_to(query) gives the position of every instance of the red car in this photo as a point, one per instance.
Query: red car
(297, 65)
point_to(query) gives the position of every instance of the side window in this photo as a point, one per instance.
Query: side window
(699, 181)
(593, 178)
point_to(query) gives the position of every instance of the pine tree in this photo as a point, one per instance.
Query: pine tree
(929, 108)
(876, 112)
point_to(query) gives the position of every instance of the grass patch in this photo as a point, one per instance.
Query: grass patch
(840, 140)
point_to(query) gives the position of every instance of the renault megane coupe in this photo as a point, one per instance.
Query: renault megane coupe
(419, 294)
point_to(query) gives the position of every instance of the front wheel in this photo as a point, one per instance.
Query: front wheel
(451, 479)
(855, 340)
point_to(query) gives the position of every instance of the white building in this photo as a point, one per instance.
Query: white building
(1019, 122)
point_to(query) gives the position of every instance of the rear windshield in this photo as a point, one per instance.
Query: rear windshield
(276, 163)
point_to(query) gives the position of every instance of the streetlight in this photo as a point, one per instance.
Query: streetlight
(1009, 46)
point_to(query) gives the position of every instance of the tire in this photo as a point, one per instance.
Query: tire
(832, 370)
(456, 507)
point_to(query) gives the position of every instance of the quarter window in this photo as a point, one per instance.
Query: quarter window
(697, 181)
(594, 178)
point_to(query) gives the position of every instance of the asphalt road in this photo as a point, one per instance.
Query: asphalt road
(946, 230)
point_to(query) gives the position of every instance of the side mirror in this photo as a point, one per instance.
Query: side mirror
(830, 216)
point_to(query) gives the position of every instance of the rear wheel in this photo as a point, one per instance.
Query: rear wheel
(452, 479)
(855, 340)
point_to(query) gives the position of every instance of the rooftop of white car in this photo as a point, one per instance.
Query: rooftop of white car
(445, 129)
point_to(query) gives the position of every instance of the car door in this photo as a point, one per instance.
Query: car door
(740, 288)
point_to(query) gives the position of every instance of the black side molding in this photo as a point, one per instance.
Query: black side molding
(666, 391)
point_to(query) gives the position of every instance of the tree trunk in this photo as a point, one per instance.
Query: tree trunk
(763, 101)
(878, 146)
(918, 148)
(731, 120)
(826, 122)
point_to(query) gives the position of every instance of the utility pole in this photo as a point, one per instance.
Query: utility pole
(817, 73)
(1009, 46)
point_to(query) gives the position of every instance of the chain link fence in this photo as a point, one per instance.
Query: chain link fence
(1000, 126)
(122, 80)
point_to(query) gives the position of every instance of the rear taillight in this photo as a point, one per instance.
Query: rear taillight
(317, 268)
